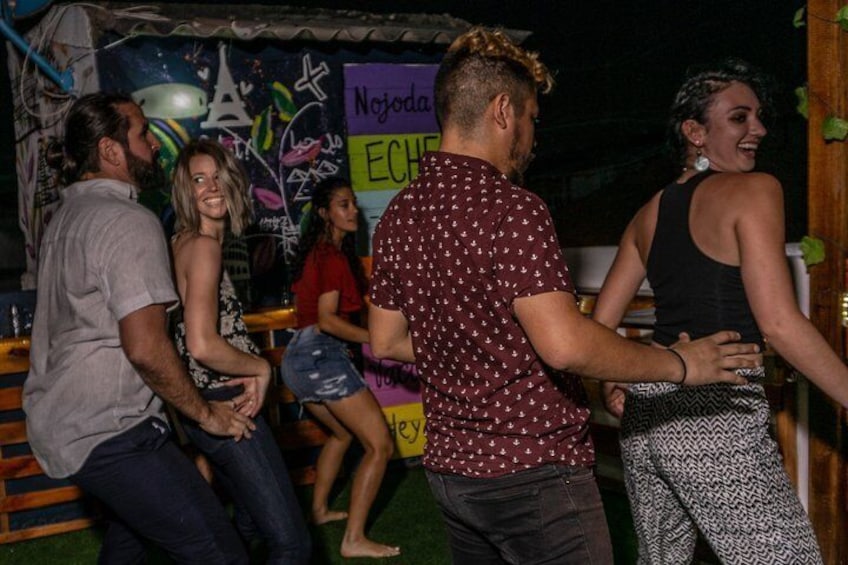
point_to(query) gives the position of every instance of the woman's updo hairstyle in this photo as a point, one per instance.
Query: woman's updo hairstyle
(694, 97)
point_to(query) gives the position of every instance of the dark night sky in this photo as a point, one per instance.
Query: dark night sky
(617, 66)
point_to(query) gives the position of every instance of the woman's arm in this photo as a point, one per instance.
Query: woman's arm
(331, 323)
(390, 337)
(622, 281)
(768, 286)
(620, 286)
(148, 347)
(199, 263)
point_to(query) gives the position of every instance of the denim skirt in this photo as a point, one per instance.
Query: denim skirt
(317, 367)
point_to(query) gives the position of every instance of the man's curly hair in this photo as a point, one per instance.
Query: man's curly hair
(479, 65)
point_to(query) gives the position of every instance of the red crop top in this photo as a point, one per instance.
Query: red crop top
(326, 269)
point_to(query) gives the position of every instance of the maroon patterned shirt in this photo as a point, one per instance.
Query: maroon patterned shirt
(452, 252)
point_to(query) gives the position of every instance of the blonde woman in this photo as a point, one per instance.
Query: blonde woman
(210, 197)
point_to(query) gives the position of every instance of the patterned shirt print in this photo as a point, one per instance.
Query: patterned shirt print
(231, 327)
(452, 252)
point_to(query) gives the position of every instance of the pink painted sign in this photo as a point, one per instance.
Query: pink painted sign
(391, 382)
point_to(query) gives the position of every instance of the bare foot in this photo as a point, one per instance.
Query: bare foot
(367, 548)
(319, 518)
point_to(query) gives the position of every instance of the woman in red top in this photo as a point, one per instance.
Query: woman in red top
(329, 285)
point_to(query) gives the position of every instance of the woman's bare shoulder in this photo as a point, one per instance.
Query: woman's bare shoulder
(745, 198)
(192, 240)
(640, 231)
(190, 247)
(647, 214)
(731, 182)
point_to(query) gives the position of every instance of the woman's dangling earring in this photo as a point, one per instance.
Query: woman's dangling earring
(702, 162)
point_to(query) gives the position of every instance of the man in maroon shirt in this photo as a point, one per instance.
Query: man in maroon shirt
(469, 283)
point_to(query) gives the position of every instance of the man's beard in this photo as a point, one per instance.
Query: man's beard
(518, 162)
(147, 176)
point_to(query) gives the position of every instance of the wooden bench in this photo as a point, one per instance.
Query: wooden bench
(298, 435)
(31, 504)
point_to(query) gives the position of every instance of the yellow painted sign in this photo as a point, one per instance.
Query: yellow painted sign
(406, 424)
(387, 162)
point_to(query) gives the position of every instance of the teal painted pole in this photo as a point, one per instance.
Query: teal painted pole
(64, 79)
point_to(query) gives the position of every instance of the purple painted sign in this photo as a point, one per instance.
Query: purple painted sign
(392, 383)
(384, 98)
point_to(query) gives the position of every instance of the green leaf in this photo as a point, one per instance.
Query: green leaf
(803, 106)
(283, 101)
(261, 132)
(842, 17)
(812, 250)
(798, 20)
(834, 128)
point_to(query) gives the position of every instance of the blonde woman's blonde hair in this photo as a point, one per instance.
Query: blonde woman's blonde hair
(232, 180)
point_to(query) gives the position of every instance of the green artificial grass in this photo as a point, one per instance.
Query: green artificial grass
(404, 514)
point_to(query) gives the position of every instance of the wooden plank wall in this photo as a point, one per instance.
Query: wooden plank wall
(31, 504)
(827, 63)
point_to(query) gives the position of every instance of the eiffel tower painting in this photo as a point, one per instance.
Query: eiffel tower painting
(227, 107)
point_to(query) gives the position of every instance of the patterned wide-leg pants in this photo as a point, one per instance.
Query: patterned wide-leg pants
(702, 457)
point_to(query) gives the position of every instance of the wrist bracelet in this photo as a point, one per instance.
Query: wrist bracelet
(682, 363)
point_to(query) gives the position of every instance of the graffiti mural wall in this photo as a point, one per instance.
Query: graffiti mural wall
(279, 111)
(290, 119)
(299, 94)
(293, 118)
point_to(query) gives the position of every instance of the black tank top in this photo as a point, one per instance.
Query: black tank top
(692, 292)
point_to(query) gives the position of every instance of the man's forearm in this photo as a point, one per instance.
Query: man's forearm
(165, 374)
(148, 347)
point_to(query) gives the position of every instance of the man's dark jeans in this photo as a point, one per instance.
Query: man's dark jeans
(155, 492)
(549, 515)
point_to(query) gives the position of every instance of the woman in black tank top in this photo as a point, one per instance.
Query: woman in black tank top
(712, 247)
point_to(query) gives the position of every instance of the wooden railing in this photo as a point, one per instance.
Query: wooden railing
(31, 505)
(298, 436)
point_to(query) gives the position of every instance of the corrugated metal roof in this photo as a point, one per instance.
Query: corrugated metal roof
(285, 23)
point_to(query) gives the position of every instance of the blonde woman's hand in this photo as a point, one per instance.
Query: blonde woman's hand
(251, 400)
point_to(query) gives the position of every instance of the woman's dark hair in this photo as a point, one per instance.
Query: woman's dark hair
(91, 118)
(695, 96)
(317, 228)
